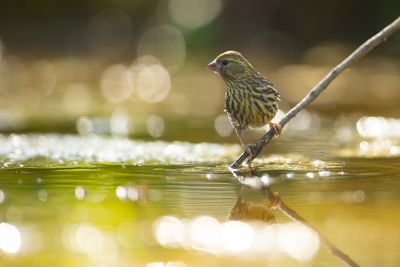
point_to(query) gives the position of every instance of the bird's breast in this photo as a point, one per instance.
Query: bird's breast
(250, 108)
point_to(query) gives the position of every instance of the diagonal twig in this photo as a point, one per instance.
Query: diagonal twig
(360, 52)
(248, 181)
(296, 217)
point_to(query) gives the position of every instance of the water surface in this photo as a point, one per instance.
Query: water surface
(67, 200)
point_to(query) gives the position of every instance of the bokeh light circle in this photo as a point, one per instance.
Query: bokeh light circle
(192, 14)
(116, 84)
(152, 82)
(10, 238)
(164, 42)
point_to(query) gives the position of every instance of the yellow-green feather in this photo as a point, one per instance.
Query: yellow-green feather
(250, 99)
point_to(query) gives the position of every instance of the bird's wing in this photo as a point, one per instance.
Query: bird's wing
(283, 105)
(268, 89)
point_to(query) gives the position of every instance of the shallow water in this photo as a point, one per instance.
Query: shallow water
(95, 201)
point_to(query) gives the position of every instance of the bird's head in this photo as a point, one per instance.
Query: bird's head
(231, 65)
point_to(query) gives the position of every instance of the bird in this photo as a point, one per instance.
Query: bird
(251, 211)
(250, 98)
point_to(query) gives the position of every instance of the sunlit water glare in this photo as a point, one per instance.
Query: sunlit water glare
(237, 238)
(70, 149)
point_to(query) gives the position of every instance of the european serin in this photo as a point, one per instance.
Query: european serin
(250, 98)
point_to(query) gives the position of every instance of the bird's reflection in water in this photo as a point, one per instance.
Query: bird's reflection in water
(250, 211)
(243, 210)
(300, 230)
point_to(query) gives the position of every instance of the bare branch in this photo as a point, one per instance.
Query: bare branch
(256, 184)
(297, 218)
(322, 85)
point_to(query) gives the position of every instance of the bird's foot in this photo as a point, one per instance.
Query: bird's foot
(276, 202)
(277, 127)
(249, 148)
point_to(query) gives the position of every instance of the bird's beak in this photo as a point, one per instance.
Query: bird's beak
(212, 66)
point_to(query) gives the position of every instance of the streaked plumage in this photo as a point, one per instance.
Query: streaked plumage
(250, 211)
(250, 98)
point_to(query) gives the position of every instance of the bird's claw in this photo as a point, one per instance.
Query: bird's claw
(277, 127)
(249, 148)
(276, 202)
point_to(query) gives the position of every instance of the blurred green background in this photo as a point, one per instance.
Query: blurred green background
(138, 67)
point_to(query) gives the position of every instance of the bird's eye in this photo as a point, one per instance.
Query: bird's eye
(224, 62)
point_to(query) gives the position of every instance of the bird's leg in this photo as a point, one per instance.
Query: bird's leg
(277, 127)
(247, 147)
(276, 202)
